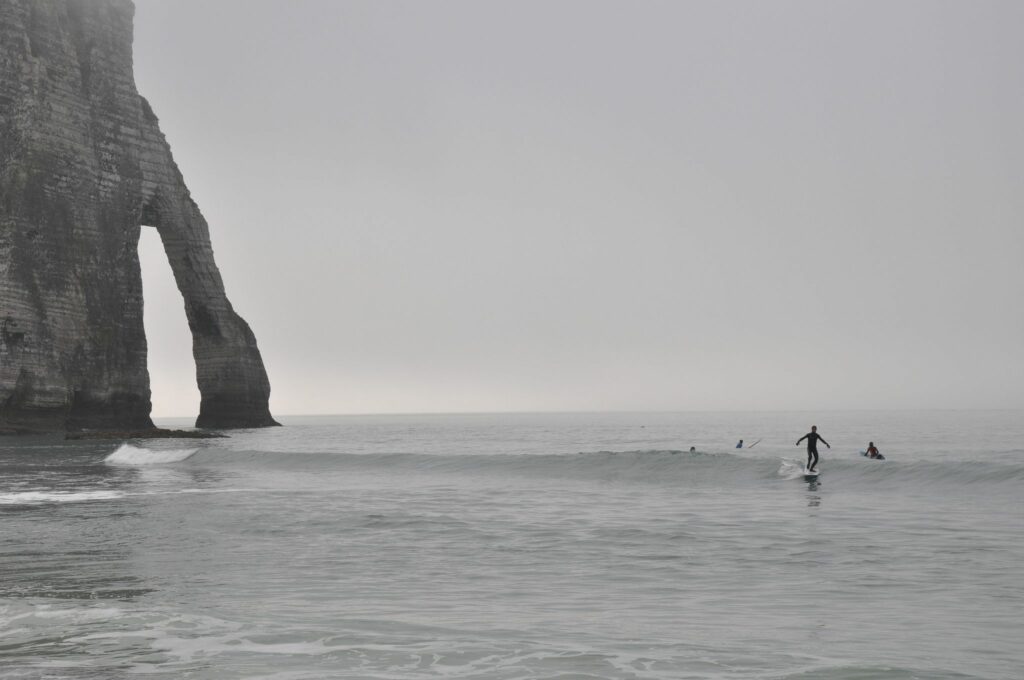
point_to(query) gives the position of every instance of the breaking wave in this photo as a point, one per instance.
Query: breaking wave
(126, 454)
(654, 467)
(49, 497)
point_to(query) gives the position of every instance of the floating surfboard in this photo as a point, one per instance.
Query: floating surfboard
(879, 457)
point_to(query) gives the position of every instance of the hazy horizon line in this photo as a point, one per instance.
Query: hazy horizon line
(612, 412)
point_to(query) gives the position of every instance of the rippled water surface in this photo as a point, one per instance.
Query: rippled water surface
(520, 547)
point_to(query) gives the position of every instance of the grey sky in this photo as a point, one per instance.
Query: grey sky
(481, 206)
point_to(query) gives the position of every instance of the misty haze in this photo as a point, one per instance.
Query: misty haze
(458, 206)
(609, 340)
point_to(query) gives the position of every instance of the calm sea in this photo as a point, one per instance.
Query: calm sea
(568, 546)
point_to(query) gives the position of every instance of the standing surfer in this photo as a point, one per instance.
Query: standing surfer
(812, 438)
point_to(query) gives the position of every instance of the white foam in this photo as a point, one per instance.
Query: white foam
(127, 454)
(790, 470)
(40, 497)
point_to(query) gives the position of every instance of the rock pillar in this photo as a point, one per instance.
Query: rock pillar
(83, 165)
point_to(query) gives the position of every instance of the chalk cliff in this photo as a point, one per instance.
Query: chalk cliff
(83, 166)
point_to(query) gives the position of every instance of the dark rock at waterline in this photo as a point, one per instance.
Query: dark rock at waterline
(16, 431)
(83, 165)
(155, 433)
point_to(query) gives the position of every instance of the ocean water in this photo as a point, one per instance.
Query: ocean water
(569, 546)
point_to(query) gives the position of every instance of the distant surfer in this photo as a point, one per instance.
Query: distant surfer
(739, 444)
(693, 449)
(872, 451)
(812, 438)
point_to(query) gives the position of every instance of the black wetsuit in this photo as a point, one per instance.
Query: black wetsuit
(812, 448)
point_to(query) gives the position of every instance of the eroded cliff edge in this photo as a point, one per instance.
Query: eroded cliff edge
(83, 165)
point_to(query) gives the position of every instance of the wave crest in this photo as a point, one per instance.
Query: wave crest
(49, 497)
(126, 454)
(645, 466)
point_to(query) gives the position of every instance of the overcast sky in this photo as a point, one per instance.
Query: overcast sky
(509, 206)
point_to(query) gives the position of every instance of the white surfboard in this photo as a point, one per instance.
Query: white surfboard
(809, 474)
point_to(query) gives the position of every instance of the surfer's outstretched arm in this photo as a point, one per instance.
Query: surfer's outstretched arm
(801, 439)
(825, 442)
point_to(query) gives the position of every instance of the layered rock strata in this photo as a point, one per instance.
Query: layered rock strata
(83, 166)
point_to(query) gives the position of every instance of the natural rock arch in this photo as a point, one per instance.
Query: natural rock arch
(83, 164)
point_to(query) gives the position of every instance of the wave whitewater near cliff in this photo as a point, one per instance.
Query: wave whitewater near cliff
(530, 546)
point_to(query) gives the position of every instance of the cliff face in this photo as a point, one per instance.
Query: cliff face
(83, 165)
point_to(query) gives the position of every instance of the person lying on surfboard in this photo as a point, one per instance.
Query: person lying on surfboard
(812, 438)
